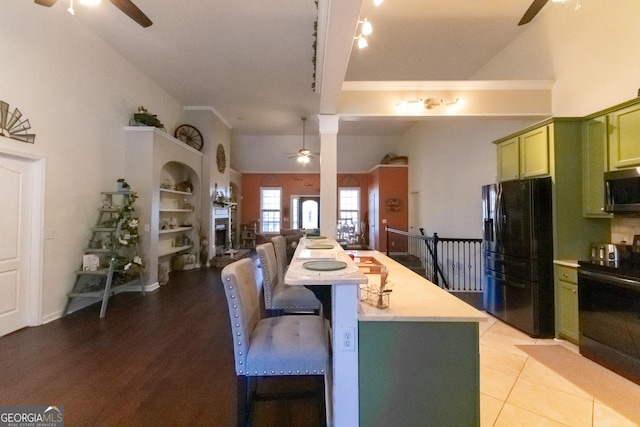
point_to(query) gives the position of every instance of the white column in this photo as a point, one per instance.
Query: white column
(344, 308)
(345, 355)
(328, 174)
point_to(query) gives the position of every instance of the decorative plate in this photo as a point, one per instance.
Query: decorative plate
(221, 158)
(324, 265)
(316, 237)
(319, 246)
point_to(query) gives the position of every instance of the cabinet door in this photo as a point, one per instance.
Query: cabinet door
(534, 153)
(566, 292)
(569, 310)
(508, 160)
(595, 162)
(624, 145)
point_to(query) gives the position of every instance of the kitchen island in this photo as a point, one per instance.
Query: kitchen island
(418, 359)
(415, 363)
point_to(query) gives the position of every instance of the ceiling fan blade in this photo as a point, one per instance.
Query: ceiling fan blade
(533, 10)
(132, 11)
(47, 3)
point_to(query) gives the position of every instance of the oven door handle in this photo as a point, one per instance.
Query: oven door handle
(609, 279)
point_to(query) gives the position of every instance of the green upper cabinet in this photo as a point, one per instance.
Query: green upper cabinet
(524, 156)
(595, 161)
(553, 148)
(534, 153)
(509, 160)
(624, 140)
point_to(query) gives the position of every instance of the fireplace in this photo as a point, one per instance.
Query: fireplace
(221, 236)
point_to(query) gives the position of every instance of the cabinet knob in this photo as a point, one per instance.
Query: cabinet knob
(574, 291)
(565, 275)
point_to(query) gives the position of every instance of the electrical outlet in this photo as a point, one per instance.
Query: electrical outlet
(348, 339)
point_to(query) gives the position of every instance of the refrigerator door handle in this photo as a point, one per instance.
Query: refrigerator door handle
(499, 217)
(488, 230)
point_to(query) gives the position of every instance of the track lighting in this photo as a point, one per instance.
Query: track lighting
(362, 41)
(366, 28)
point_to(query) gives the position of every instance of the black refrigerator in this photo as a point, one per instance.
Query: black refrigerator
(518, 254)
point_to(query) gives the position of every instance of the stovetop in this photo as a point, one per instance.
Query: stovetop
(625, 267)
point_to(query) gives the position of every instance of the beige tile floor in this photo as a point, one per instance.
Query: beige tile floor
(516, 390)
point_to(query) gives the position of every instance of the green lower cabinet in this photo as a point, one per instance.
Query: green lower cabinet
(566, 284)
(419, 374)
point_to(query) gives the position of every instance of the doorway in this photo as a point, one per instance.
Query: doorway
(21, 196)
(309, 212)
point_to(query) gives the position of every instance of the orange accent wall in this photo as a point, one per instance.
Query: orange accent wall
(291, 184)
(391, 182)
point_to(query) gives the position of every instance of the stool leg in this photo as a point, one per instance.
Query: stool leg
(242, 413)
(322, 404)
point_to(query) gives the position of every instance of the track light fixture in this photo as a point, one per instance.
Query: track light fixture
(366, 28)
(362, 41)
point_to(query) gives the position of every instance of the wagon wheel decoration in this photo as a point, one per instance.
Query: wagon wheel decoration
(189, 135)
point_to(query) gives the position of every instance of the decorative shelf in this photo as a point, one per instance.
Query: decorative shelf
(174, 250)
(98, 294)
(175, 230)
(184, 193)
(176, 210)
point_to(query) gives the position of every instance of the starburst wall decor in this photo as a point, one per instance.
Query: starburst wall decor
(11, 123)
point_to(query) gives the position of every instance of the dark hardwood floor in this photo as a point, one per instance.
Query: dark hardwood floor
(163, 359)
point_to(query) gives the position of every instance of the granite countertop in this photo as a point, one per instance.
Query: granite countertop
(298, 275)
(414, 298)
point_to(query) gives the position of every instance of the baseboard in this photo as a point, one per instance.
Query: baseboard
(51, 317)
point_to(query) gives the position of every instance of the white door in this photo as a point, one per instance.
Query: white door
(15, 243)
(414, 213)
(373, 221)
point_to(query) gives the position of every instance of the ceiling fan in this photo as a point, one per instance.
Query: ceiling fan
(127, 6)
(533, 10)
(304, 154)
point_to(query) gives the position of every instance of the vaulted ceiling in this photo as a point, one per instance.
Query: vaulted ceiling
(252, 61)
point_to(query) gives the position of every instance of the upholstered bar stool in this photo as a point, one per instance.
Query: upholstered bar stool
(272, 346)
(280, 246)
(279, 297)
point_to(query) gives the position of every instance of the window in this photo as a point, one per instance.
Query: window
(270, 209)
(295, 201)
(349, 206)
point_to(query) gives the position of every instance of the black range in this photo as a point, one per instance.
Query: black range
(609, 314)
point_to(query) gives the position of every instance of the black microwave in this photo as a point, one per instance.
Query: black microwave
(622, 191)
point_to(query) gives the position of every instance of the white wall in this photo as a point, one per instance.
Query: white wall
(449, 161)
(592, 56)
(591, 53)
(269, 153)
(214, 131)
(78, 95)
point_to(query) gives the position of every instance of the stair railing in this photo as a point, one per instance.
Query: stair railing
(454, 264)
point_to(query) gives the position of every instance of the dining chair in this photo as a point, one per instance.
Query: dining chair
(280, 298)
(280, 246)
(272, 346)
